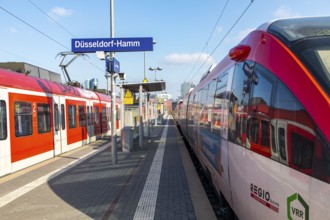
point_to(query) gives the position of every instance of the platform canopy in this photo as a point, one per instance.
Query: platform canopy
(146, 87)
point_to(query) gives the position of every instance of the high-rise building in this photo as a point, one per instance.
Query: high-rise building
(185, 88)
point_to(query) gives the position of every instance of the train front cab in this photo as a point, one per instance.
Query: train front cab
(272, 145)
(288, 147)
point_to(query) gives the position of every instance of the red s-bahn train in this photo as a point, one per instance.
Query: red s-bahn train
(259, 122)
(40, 119)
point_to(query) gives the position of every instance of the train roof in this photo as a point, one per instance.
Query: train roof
(293, 29)
(21, 81)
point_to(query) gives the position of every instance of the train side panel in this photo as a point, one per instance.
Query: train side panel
(40, 119)
(31, 128)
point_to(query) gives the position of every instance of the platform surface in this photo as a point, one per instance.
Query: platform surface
(155, 181)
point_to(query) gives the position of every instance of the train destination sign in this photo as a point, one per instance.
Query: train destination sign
(91, 45)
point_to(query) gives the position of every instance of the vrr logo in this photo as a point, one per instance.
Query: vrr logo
(297, 207)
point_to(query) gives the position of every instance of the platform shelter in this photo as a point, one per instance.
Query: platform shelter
(140, 88)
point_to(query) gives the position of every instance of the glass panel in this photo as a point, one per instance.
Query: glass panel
(57, 117)
(63, 116)
(23, 118)
(281, 141)
(104, 115)
(302, 151)
(97, 115)
(82, 116)
(3, 120)
(43, 118)
(72, 116)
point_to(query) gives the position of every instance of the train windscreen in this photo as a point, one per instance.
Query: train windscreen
(309, 39)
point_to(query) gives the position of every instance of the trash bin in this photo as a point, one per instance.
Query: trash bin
(127, 139)
(160, 120)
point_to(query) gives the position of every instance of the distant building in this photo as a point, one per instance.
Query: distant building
(32, 70)
(185, 88)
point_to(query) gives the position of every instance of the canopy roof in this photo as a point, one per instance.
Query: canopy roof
(146, 87)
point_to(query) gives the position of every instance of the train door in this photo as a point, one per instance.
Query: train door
(5, 160)
(90, 122)
(59, 124)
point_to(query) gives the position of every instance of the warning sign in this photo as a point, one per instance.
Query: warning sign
(145, 80)
(128, 98)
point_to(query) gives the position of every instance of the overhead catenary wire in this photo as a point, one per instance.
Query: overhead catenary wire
(208, 40)
(63, 28)
(225, 36)
(46, 14)
(46, 35)
(34, 28)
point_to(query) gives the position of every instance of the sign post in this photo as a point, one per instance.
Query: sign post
(112, 45)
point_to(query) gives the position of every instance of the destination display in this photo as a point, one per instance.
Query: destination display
(91, 45)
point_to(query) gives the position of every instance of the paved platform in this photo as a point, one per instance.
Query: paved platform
(157, 181)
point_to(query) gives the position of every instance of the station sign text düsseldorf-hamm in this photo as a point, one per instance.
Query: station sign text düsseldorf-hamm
(91, 45)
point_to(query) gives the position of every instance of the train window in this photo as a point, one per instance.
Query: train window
(82, 116)
(261, 84)
(254, 132)
(23, 118)
(89, 115)
(97, 115)
(56, 117)
(260, 100)
(3, 120)
(222, 81)
(265, 133)
(63, 116)
(285, 100)
(104, 115)
(238, 104)
(321, 162)
(43, 112)
(72, 116)
(273, 139)
(203, 112)
(209, 104)
(296, 130)
(302, 151)
(281, 143)
(314, 53)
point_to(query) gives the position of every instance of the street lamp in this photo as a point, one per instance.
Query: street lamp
(144, 60)
(155, 69)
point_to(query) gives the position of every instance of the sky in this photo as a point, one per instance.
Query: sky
(189, 35)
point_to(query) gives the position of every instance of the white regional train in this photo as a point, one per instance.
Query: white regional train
(259, 122)
(40, 119)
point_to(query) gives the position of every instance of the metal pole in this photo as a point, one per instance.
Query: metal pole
(144, 65)
(141, 118)
(113, 93)
(122, 108)
(147, 114)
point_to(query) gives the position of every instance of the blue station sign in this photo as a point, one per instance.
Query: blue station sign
(112, 65)
(91, 45)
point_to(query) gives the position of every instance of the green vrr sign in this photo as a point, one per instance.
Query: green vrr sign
(297, 207)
